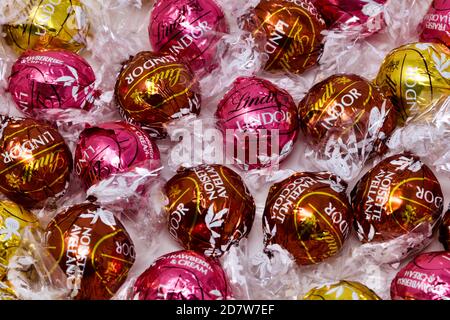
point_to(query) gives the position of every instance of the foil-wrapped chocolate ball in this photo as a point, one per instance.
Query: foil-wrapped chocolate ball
(35, 162)
(154, 88)
(113, 147)
(309, 215)
(342, 290)
(415, 76)
(182, 275)
(48, 24)
(188, 30)
(209, 208)
(444, 234)
(6, 293)
(398, 196)
(287, 32)
(348, 110)
(14, 220)
(267, 115)
(92, 248)
(51, 80)
(427, 277)
(436, 23)
(361, 16)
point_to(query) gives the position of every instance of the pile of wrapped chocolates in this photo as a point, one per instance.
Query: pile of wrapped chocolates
(225, 149)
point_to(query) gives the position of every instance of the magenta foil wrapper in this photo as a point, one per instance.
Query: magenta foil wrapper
(427, 277)
(182, 275)
(51, 80)
(436, 24)
(111, 148)
(365, 16)
(188, 29)
(255, 106)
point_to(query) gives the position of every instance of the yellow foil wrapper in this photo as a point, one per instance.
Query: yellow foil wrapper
(415, 76)
(6, 293)
(13, 221)
(49, 24)
(343, 290)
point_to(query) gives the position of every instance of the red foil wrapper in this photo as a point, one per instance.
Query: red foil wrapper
(396, 197)
(444, 235)
(155, 88)
(189, 30)
(427, 277)
(92, 248)
(51, 80)
(209, 208)
(288, 32)
(345, 112)
(182, 275)
(35, 161)
(113, 147)
(309, 215)
(436, 24)
(363, 16)
(252, 108)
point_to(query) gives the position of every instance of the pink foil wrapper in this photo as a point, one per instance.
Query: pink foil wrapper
(436, 24)
(51, 80)
(364, 16)
(427, 277)
(111, 148)
(256, 106)
(188, 29)
(182, 275)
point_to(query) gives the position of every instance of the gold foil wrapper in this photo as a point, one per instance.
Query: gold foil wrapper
(13, 221)
(49, 24)
(6, 293)
(415, 76)
(343, 290)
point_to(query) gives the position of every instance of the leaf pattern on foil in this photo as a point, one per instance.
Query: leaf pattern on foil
(269, 233)
(214, 220)
(12, 227)
(442, 64)
(105, 216)
(404, 163)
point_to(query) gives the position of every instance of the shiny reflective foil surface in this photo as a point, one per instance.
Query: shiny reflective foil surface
(51, 79)
(209, 208)
(288, 33)
(49, 24)
(436, 23)
(309, 215)
(342, 290)
(415, 76)
(13, 221)
(182, 275)
(35, 162)
(92, 248)
(426, 277)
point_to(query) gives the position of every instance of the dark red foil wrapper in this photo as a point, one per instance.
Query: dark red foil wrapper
(347, 107)
(113, 147)
(209, 208)
(154, 88)
(182, 275)
(364, 16)
(287, 32)
(92, 248)
(309, 215)
(427, 277)
(35, 161)
(397, 196)
(444, 235)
